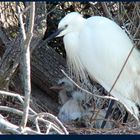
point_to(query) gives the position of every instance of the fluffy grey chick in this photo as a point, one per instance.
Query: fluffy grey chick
(65, 88)
(70, 99)
(73, 107)
(70, 111)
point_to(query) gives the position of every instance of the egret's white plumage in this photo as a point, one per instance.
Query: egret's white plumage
(99, 47)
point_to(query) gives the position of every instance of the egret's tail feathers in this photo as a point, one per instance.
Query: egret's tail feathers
(130, 107)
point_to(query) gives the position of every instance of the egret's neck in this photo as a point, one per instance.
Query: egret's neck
(71, 43)
(79, 23)
(76, 25)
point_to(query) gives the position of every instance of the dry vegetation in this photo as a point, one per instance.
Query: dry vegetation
(15, 110)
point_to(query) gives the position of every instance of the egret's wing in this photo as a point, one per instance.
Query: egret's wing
(104, 49)
(104, 46)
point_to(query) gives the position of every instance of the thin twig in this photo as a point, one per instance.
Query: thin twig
(7, 93)
(54, 127)
(84, 90)
(106, 10)
(49, 128)
(16, 95)
(137, 30)
(32, 118)
(15, 111)
(55, 119)
(37, 125)
(21, 23)
(121, 69)
(25, 10)
(6, 126)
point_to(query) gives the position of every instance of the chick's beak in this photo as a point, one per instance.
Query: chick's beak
(57, 87)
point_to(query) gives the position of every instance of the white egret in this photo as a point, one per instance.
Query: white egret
(97, 46)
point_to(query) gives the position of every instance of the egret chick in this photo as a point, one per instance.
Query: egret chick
(70, 100)
(65, 88)
(97, 46)
(75, 105)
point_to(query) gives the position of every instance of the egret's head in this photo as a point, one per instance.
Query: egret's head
(70, 23)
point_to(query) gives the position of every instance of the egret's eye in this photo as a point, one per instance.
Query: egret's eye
(66, 26)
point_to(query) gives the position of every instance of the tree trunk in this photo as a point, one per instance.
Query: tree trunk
(46, 65)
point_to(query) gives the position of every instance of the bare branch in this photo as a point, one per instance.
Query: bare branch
(25, 10)
(53, 126)
(137, 30)
(34, 119)
(6, 126)
(12, 94)
(55, 119)
(25, 63)
(37, 126)
(21, 23)
(20, 98)
(106, 10)
(12, 110)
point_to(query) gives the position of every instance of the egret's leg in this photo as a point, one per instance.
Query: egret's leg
(125, 117)
(107, 113)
